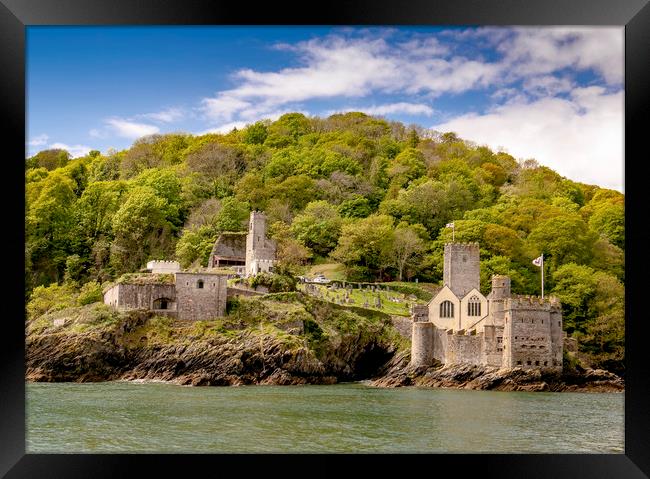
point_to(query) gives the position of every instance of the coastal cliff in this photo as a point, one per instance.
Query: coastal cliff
(283, 339)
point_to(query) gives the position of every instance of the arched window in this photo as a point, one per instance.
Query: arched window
(199, 284)
(446, 309)
(474, 306)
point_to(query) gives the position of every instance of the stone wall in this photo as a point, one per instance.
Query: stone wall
(201, 296)
(492, 353)
(142, 296)
(463, 349)
(440, 344)
(462, 267)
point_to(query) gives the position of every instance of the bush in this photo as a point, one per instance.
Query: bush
(54, 297)
(277, 283)
(91, 292)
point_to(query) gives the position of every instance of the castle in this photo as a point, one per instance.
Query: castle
(202, 295)
(461, 326)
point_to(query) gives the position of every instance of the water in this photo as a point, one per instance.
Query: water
(158, 417)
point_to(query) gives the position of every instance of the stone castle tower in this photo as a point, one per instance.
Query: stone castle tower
(462, 267)
(260, 250)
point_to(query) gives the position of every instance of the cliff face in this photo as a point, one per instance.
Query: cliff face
(279, 339)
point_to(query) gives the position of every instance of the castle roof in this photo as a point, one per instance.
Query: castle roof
(230, 245)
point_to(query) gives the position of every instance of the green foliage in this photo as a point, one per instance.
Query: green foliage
(90, 292)
(364, 244)
(276, 283)
(194, 247)
(45, 299)
(233, 215)
(256, 133)
(48, 159)
(318, 228)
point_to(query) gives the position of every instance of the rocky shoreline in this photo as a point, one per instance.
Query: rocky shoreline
(309, 343)
(466, 376)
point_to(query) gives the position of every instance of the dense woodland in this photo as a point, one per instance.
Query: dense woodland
(370, 194)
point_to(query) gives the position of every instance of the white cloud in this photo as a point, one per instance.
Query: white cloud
(130, 129)
(335, 66)
(580, 137)
(546, 50)
(75, 150)
(165, 116)
(389, 108)
(353, 67)
(39, 140)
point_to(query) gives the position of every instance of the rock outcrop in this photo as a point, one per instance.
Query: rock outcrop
(467, 376)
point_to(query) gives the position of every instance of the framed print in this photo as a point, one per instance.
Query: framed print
(369, 231)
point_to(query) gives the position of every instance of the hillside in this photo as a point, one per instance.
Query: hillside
(370, 195)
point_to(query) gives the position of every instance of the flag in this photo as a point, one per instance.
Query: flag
(538, 261)
(449, 225)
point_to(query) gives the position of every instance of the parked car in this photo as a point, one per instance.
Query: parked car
(320, 279)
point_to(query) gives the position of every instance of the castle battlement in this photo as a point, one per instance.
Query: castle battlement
(532, 302)
(163, 266)
(462, 246)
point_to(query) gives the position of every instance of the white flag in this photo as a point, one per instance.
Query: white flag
(538, 261)
(449, 225)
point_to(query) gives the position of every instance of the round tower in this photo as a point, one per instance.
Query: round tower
(422, 344)
(500, 287)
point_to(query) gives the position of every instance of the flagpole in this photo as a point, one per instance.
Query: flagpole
(542, 275)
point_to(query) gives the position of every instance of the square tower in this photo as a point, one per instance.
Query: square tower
(462, 270)
(260, 250)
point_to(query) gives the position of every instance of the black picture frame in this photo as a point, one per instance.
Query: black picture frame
(634, 15)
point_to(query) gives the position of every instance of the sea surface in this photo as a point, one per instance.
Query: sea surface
(150, 417)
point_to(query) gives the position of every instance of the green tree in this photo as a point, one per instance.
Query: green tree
(233, 215)
(195, 245)
(364, 243)
(140, 229)
(406, 248)
(566, 238)
(318, 227)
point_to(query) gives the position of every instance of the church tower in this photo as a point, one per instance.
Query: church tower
(462, 268)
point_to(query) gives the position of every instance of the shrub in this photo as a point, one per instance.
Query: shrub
(277, 283)
(54, 297)
(91, 292)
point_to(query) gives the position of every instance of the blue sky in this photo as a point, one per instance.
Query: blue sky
(553, 94)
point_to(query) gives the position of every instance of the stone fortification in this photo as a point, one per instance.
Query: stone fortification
(519, 331)
(192, 296)
(201, 296)
(531, 326)
(155, 297)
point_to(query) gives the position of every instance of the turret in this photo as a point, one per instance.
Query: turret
(500, 287)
